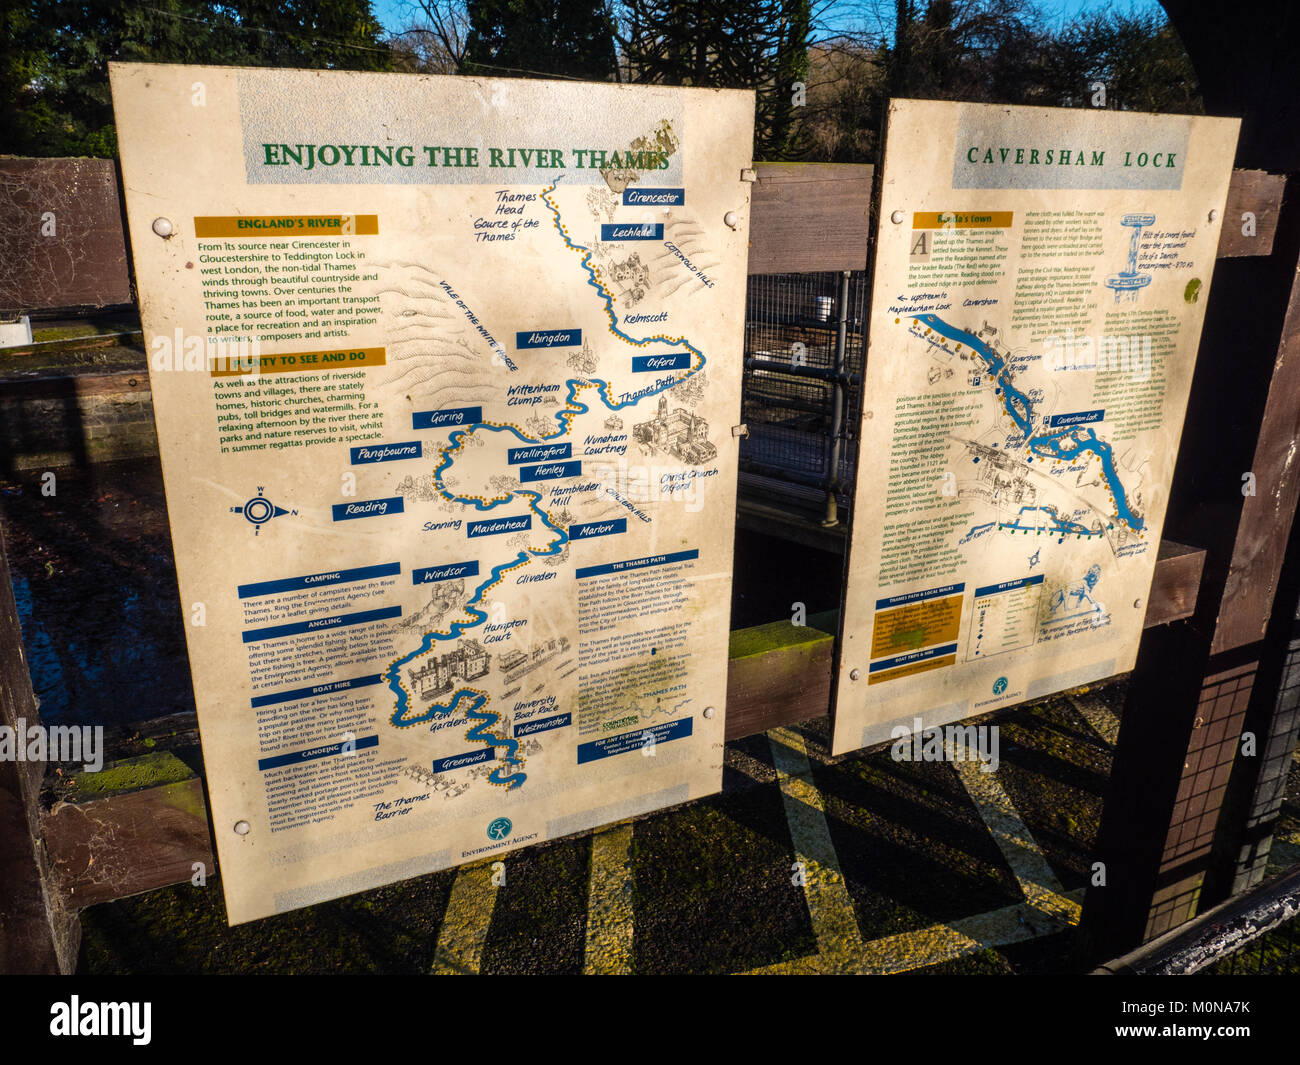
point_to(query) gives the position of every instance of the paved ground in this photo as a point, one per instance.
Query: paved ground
(929, 867)
(908, 867)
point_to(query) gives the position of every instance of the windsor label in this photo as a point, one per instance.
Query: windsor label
(1040, 283)
(444, 372)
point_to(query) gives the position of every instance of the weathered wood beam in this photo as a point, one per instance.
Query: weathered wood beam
(61, 237)
(38, 933)
(781, 674)
(110, 848)
(809, 217)
(1258, 193)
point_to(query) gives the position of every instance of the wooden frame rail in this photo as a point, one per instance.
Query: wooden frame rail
(805, 217)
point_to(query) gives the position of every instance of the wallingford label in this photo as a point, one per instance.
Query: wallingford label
(538, 453)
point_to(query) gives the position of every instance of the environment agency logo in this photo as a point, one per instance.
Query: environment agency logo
(500, 828)
(999, 685)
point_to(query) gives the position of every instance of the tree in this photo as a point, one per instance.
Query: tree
(55, 72)
(1137, 57)
(978, 50)
(569, 38)
(436, 41)
(728, 44)
(846, 96)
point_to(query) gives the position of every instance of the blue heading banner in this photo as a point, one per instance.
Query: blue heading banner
(368, 508)
(542, 724)
(548, 338)
(314, 580)
(497, 526)
(551, 471)
(538, 453)
(315, 690)
(587, 530)
(459, 761)
(1007, 586)
(328, 750)
(338, 621)
(437, 419)
(912, 656)
(1082, 417)
(410, 449)
(655, 363)
(634, 197)
(917, 597)
(637, 563)
(449, 572)
(633, 741)
(632, 231)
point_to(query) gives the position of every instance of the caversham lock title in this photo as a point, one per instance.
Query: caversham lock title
(1066, 157)
(310, 156)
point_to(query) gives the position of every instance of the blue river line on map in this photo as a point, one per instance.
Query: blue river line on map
(1066, 444)
(510, 774)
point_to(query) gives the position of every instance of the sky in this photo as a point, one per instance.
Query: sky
(842, 15)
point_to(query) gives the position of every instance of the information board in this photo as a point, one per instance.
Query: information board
(1040, 283)
(445, 372)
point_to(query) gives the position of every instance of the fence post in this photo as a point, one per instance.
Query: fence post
(837, 404)
(37, 933)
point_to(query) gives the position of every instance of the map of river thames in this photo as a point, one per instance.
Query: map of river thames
(445, 381)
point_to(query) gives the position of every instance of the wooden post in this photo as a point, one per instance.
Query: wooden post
(1257, 786)
(37, 933)
(1180, 741)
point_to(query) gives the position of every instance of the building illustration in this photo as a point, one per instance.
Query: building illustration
(680, 433)
(632, 279)
(515, 664)
(468, 662)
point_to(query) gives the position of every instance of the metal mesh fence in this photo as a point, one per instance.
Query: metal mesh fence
(796, 371)
(1274, 953)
